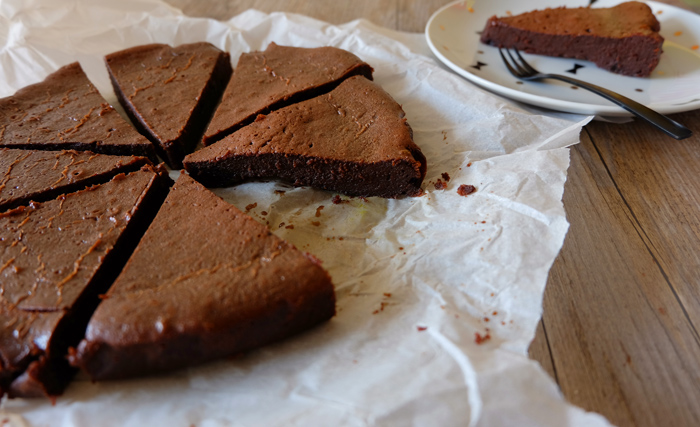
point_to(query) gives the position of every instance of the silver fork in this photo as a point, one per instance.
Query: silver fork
(524, 71)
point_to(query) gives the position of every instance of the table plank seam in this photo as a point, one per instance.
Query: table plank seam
(645, 239)
(551, 356)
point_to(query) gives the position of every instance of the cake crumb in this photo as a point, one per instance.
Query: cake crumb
(315, 223)
(446, 176)
(338, 200)
(318, 211)
(263, 213)
(480, 339)
(281, 225)
(251, 206)
(290, 227)
(421, 328)
(280, 192)
(465, 190)
(440, 185)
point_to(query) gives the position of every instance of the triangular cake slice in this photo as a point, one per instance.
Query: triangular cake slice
(279, 76)
(170, 93)
(56, 258)
(66, 112)
(206, 281)
(623, 39)
(354, 140)
(30, 175)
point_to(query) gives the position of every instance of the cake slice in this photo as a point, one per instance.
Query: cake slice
(205, 282)
(56, 258)
(170, 93)
(66, 112)
(353, 140)
(38, 176)
(623, 39)
(279, 76)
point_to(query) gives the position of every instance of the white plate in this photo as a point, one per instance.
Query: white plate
(674, 86)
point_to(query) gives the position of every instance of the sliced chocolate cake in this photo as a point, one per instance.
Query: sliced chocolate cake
(38, 176)
(279, 76)
(232, 287)
(66, 112)
(170, 93)
(56, 258)
(353, 140)
(623, 39)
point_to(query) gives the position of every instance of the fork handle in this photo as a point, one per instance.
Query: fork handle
(662, 122)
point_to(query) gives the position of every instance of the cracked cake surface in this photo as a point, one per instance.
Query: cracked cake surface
(233, 287)
(55, 258)
(170, 93)
(279, 76)
(354, 140)
(31, 175)
(66, 112)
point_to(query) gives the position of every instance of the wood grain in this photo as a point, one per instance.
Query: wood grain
(620, 340)
(622, 305)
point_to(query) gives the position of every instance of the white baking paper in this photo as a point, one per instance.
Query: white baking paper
(418, 280)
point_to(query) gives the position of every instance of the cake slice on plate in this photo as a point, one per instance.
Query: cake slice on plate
(354, 140)
(170, 93)
(56, 258)
(279, 76)
(66, 112)
(623, 39)
(30, 175)
(206, 281)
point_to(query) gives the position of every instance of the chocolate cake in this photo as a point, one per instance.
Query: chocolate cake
(56, 258)
(66, 112)
(353, 140)
(623, 39)
(38, 176)
(280, 76)
(232, 287)
(170, 93)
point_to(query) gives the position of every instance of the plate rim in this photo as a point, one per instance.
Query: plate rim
(545, 101)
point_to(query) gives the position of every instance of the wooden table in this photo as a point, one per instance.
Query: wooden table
(619, 332)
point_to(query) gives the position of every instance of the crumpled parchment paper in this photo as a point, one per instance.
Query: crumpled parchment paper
(438, 296)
